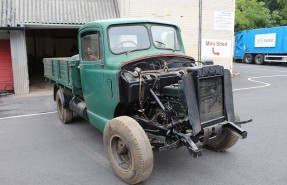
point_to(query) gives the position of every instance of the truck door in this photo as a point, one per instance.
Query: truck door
(239, 46)
(91, 67)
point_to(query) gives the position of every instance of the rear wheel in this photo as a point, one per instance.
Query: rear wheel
(226, 140)
(248, 58)
(259, 59)
(128, 149)
(65, 114)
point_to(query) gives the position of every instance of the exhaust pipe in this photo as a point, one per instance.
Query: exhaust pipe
(79, 107)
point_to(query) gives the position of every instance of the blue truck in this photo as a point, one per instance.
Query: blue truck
(261, 45)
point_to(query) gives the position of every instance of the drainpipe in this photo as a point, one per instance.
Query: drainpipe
(199, 29)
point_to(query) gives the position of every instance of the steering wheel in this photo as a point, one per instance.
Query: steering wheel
(93, 57)
(127, 41)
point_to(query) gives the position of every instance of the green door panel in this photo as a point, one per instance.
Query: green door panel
(92, 87)
(100, 93)
(98, 85)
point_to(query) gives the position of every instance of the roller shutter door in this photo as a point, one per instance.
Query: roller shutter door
(6, 75)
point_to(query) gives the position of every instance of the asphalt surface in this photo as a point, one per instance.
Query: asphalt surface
(38, 149)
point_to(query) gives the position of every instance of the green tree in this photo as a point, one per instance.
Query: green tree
(275, 11)
(283, 11)
(251, 14)
(272, 5)
(276, 18)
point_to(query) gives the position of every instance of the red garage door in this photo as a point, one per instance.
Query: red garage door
(6, 75)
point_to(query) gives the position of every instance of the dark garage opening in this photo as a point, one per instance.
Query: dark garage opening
(47, 43)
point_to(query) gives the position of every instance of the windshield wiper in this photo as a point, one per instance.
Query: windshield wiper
(160, 42)
(164, 45)
(137, 47)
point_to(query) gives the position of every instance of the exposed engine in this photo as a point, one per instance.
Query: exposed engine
(175, 98)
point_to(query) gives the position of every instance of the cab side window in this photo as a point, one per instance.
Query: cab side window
(91, 49)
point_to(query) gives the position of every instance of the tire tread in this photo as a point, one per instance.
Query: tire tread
(139, 140)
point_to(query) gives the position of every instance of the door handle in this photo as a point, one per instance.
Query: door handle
(80, 67)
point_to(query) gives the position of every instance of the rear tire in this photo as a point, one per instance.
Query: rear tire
(128, 149)
(259, 59)
(65, 114)
(225, 141)
(248, 58)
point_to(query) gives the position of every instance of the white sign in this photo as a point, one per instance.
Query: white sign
(265, 40)
(215, 48)
(223, 21)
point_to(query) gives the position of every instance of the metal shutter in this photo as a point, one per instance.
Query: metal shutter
(6, 75)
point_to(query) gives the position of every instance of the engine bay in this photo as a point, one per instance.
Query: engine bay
(175, 98)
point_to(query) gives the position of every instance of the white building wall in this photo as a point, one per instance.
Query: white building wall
(223, 34)
(185, 13)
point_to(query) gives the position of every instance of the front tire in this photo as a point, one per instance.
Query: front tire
(128, 149)
(225, 141)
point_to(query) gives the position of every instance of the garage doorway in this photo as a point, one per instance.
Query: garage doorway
(47, 43)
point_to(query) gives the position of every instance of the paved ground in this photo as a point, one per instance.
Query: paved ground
(41, 150)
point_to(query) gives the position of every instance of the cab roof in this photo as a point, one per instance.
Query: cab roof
(105, 23)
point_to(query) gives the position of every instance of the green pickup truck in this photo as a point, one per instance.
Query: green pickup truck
(133, 81)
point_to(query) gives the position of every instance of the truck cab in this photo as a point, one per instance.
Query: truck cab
(106, 46)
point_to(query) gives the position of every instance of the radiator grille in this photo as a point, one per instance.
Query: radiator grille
(210, 93)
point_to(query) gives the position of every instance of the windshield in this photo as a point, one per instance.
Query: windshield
(165, 37)
(124, 39)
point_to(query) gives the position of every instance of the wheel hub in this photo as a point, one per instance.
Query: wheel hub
(121, 153)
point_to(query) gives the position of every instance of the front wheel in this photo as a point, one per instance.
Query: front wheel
(226, 140)
(128, 149)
